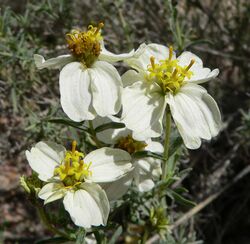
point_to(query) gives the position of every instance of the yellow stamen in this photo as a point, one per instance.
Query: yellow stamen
(73, 147)
(67, 166)
(68, 187)
(168, 74)
(81, 163)
(175, 73)
(190, 64)
(170, 53)
(152, 61)
(99, 27)
(73, 170)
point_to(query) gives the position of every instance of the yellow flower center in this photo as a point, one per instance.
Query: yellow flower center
(168, 73)
(130, 145)
(73, 170)
(85, 45)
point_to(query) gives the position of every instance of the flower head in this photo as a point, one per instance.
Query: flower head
(168, 74)
(85, 45)
(146, 169)
(89, 83)
(73, 176)
(130, 145)
(162, 80)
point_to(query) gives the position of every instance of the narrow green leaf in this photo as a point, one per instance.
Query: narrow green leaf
(180, 199)
(162, 184)
(77, 125)
(198, 42)
(143, 154)
(175, 146)
(172, 164)
(184, 172)
(111, 125)
(14, 99)
(116, 235)
(180, 190)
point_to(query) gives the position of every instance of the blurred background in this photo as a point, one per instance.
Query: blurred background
(216, 30)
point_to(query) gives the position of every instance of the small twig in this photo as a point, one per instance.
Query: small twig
(202, 204)
(221, 54)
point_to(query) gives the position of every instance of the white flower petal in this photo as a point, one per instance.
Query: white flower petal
(117, 189)
(52, 192)
(143, 181)
(207, 106)
(155, 164)
(200, 74)
(87, 206)
(52, 63)
(141, 58)
(44, 157)
(106, 88)
(145, 184)
(148, 166)
(212, 114)
(186, 57)
(143, 165)
(190, 140)
(143, 110)
(196, 114)
(75, 92)
(100, 197)
(110, 57)
(130, 77)
(108, 164)
(154, 146)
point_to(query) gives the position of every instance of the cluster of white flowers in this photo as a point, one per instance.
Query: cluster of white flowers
(92, 89)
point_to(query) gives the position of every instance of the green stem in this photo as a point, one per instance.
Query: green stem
(166, 143)
(91, 127)
(47, 223)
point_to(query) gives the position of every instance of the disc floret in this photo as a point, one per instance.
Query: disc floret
(130, 145)
(85, 45)
(168, 73)
(73, 171)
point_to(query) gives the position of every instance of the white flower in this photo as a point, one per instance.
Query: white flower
(161, 79)
(89, 83)
(73, 176)
(146, 169)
